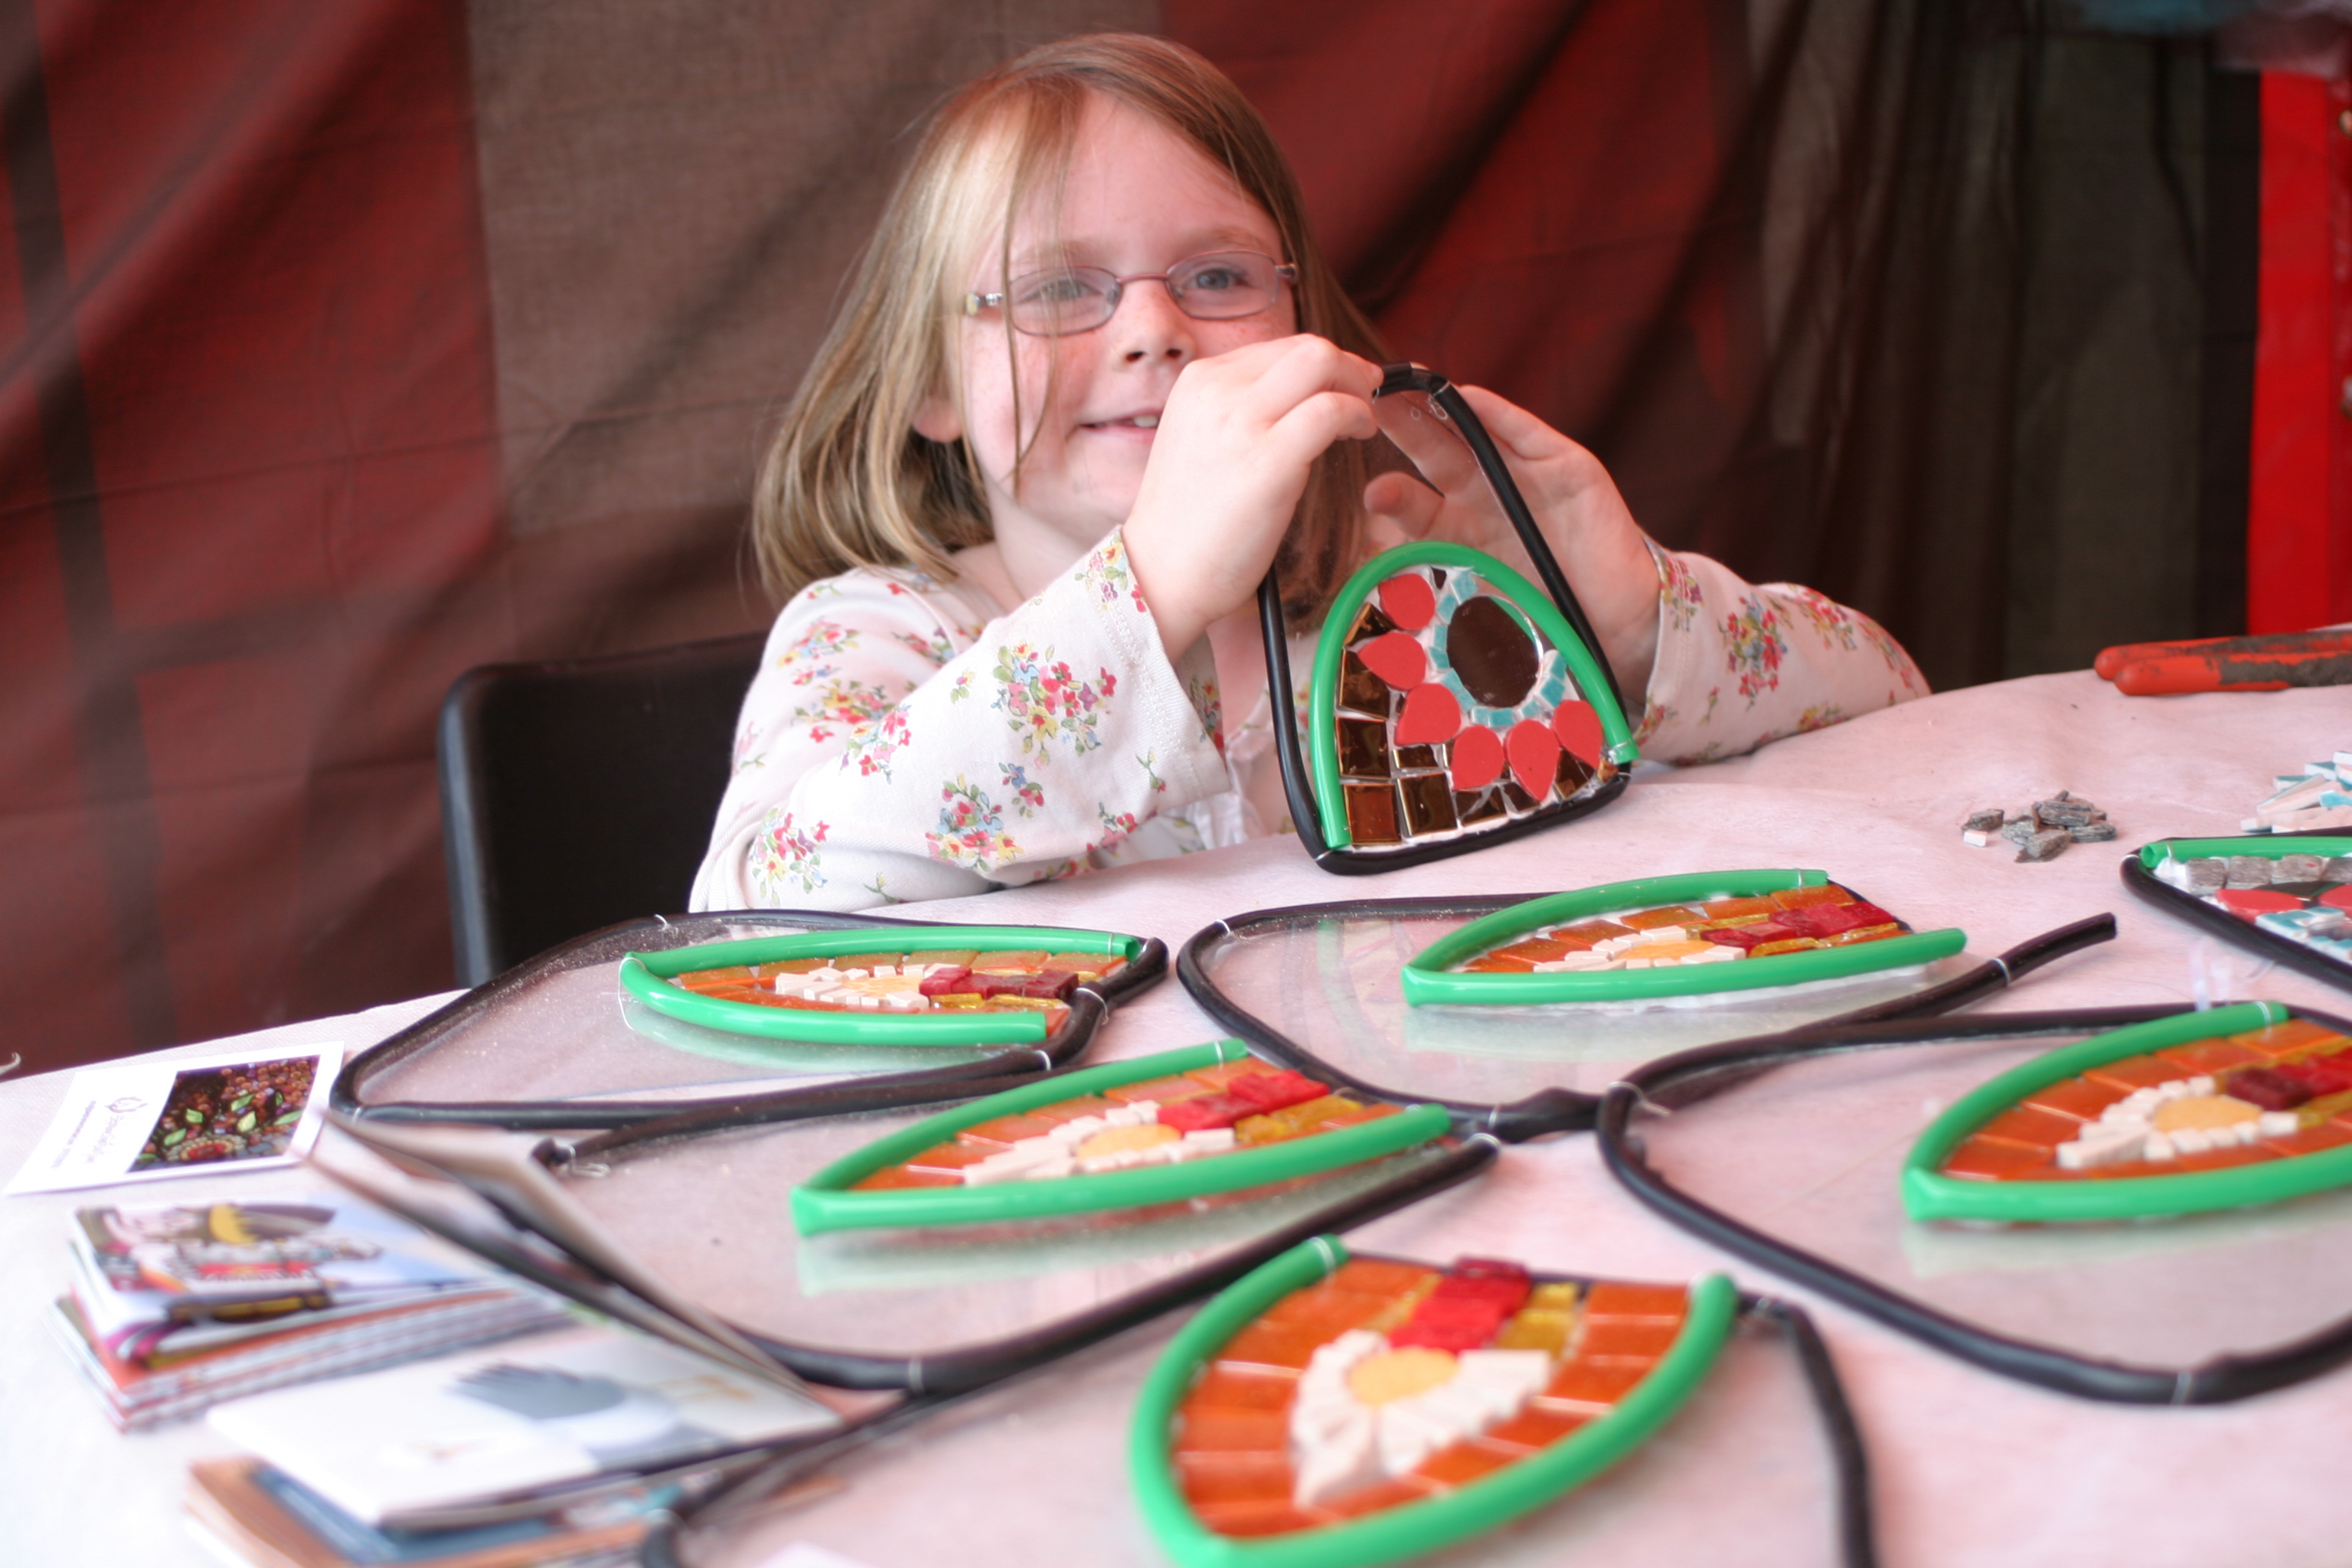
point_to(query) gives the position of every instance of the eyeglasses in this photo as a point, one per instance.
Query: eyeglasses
(1215, 287)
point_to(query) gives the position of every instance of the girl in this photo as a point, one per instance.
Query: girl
(1091, 379)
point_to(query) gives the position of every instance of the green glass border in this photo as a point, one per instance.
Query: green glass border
(1323, 746)
(646, 976)
(824, 1202)
(1427, 981)
(2270, 845)
(1409, 1529)
(1928, 1193)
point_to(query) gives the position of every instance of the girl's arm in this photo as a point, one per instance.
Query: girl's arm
(891, 750)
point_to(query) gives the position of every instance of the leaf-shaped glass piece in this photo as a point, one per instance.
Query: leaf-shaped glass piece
(1153, 1129)
(1709, 932)
(1327, 1410)
(2211, 1111)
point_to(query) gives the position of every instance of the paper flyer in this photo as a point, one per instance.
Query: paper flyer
(139, 1121)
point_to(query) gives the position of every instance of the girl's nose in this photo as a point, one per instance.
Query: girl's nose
(1148, 325)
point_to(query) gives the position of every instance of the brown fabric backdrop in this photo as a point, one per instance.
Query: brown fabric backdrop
(345, 347)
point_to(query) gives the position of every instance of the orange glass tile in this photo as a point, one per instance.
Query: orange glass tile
(1806, 898)
(1023, 959)
(1593, 1385)
(1293, 1120)
(1233, 1431)
(1009, 1130)
(1266, 1345)
(1593, 930)
(1248, 1519)
(897, 1178)
(869, 961)
(731, 975)
(1793, 944)
(1071, 1109)
(1538, 949)
(1720, 909)
(1978, 1161)
(1209, 1484)
(2222, 1159)
(1321, 1307)
(1380, 1495)
(1661, 951)
(1224, 1073)
(1499, 964)
(1614, 1299)
(2210, 1056)
(2031, 1129)
(1224, 1388)
(948, 1159)
(1159, 1090)
(1623, 1338)
(1379, 1276)
(1651, 920)
(1865, 933)
(2312, 1140)
(1465, 1462)
(2075, 1097)
(792, 966)
(741, 992)
(2136, 1072)
(1361, 1113)
(2284, 1039)
(1536, 1427)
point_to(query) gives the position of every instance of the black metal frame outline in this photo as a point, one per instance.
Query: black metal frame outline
(1298, 786)
(1560, 1109)
(2222, 922)
(1672, 1081)
(1090, 1005)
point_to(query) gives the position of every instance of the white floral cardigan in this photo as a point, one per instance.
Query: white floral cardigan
(908, 739)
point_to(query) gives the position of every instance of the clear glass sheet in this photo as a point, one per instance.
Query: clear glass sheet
(712, 1216)
(1330, 983)
(565, 1030)
(1811, 1153)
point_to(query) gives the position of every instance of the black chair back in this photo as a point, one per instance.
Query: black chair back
(580, 792)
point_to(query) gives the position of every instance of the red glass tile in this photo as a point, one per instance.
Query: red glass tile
(1205, 1111)
(2277, 1040)
(2075, 1097)
(2338, 898)
(2136, 1072)
(1655, 1303)
(2032, 1129)
(1593, 1386)
(2248, 902)
(1465, 1462)
(1273, 1090)
(1265, 1344)
(1976, 1161)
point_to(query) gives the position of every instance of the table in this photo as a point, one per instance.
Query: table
(1971, 1469)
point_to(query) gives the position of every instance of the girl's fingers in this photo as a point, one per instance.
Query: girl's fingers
(1435, 448)
(1411, 507)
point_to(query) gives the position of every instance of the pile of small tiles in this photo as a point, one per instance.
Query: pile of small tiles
(1389, 1383)
(2320, 796)
(1165, 1120)
(2235, 1099)
(2043, 831)
(2305, 899)
(935, 980)
(1717, 932)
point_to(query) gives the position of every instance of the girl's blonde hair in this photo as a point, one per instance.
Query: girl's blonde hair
(848, 482)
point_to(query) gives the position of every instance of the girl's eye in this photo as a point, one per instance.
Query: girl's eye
(1217, 279)
(1056, 290)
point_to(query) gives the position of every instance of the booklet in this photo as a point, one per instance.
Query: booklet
(139, 1119)
(148, 1269)
(556, 1410)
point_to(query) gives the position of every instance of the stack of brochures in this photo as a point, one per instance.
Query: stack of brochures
(177, 1307)
(546, 1451)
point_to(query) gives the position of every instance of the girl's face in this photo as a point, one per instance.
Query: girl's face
(1139, 199)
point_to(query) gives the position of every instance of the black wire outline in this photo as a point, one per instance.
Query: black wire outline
(1297, 792)
(1090, 1005)
(1558, 1109)
(1676, 1080)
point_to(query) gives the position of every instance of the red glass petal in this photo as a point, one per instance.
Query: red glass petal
(1534, 752)
(1578, 728)
(1397, 658)
(1431, 715)
(1476, 759)
(1409, 600)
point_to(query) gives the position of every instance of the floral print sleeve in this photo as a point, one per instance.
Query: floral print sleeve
(1740, 664)
(895, 747)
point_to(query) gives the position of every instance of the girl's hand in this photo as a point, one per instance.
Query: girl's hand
(1235, 443)
(1576, 504)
